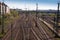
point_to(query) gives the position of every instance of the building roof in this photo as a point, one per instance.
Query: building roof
(2, 3)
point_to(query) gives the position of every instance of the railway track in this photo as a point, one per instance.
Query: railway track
(14, 30)
(25, 29)
(40, 27)
(49, 20)
(48, 33)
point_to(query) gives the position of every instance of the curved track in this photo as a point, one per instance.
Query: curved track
(25, 29)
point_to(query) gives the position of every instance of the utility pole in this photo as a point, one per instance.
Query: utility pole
(36, 12)
(57, 18)
(56, 25)
(2, 12)
(36, 9)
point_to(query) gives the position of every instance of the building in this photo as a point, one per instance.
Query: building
(4, 8)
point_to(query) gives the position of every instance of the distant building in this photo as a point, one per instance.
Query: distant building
(16, 9)
(4, 8)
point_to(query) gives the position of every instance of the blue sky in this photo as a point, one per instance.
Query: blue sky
(31, 4)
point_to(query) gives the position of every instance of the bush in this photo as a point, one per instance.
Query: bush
(14, 13)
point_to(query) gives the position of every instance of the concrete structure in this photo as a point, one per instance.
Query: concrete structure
(4, 8)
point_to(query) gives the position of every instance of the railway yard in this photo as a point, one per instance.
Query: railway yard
(30, 27)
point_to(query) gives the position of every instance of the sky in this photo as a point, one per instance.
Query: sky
(31, 4)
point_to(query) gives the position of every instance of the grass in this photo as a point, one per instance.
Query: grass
(8, 18)
(1, 35)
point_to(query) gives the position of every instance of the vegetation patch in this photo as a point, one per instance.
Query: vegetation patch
(8, 18)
